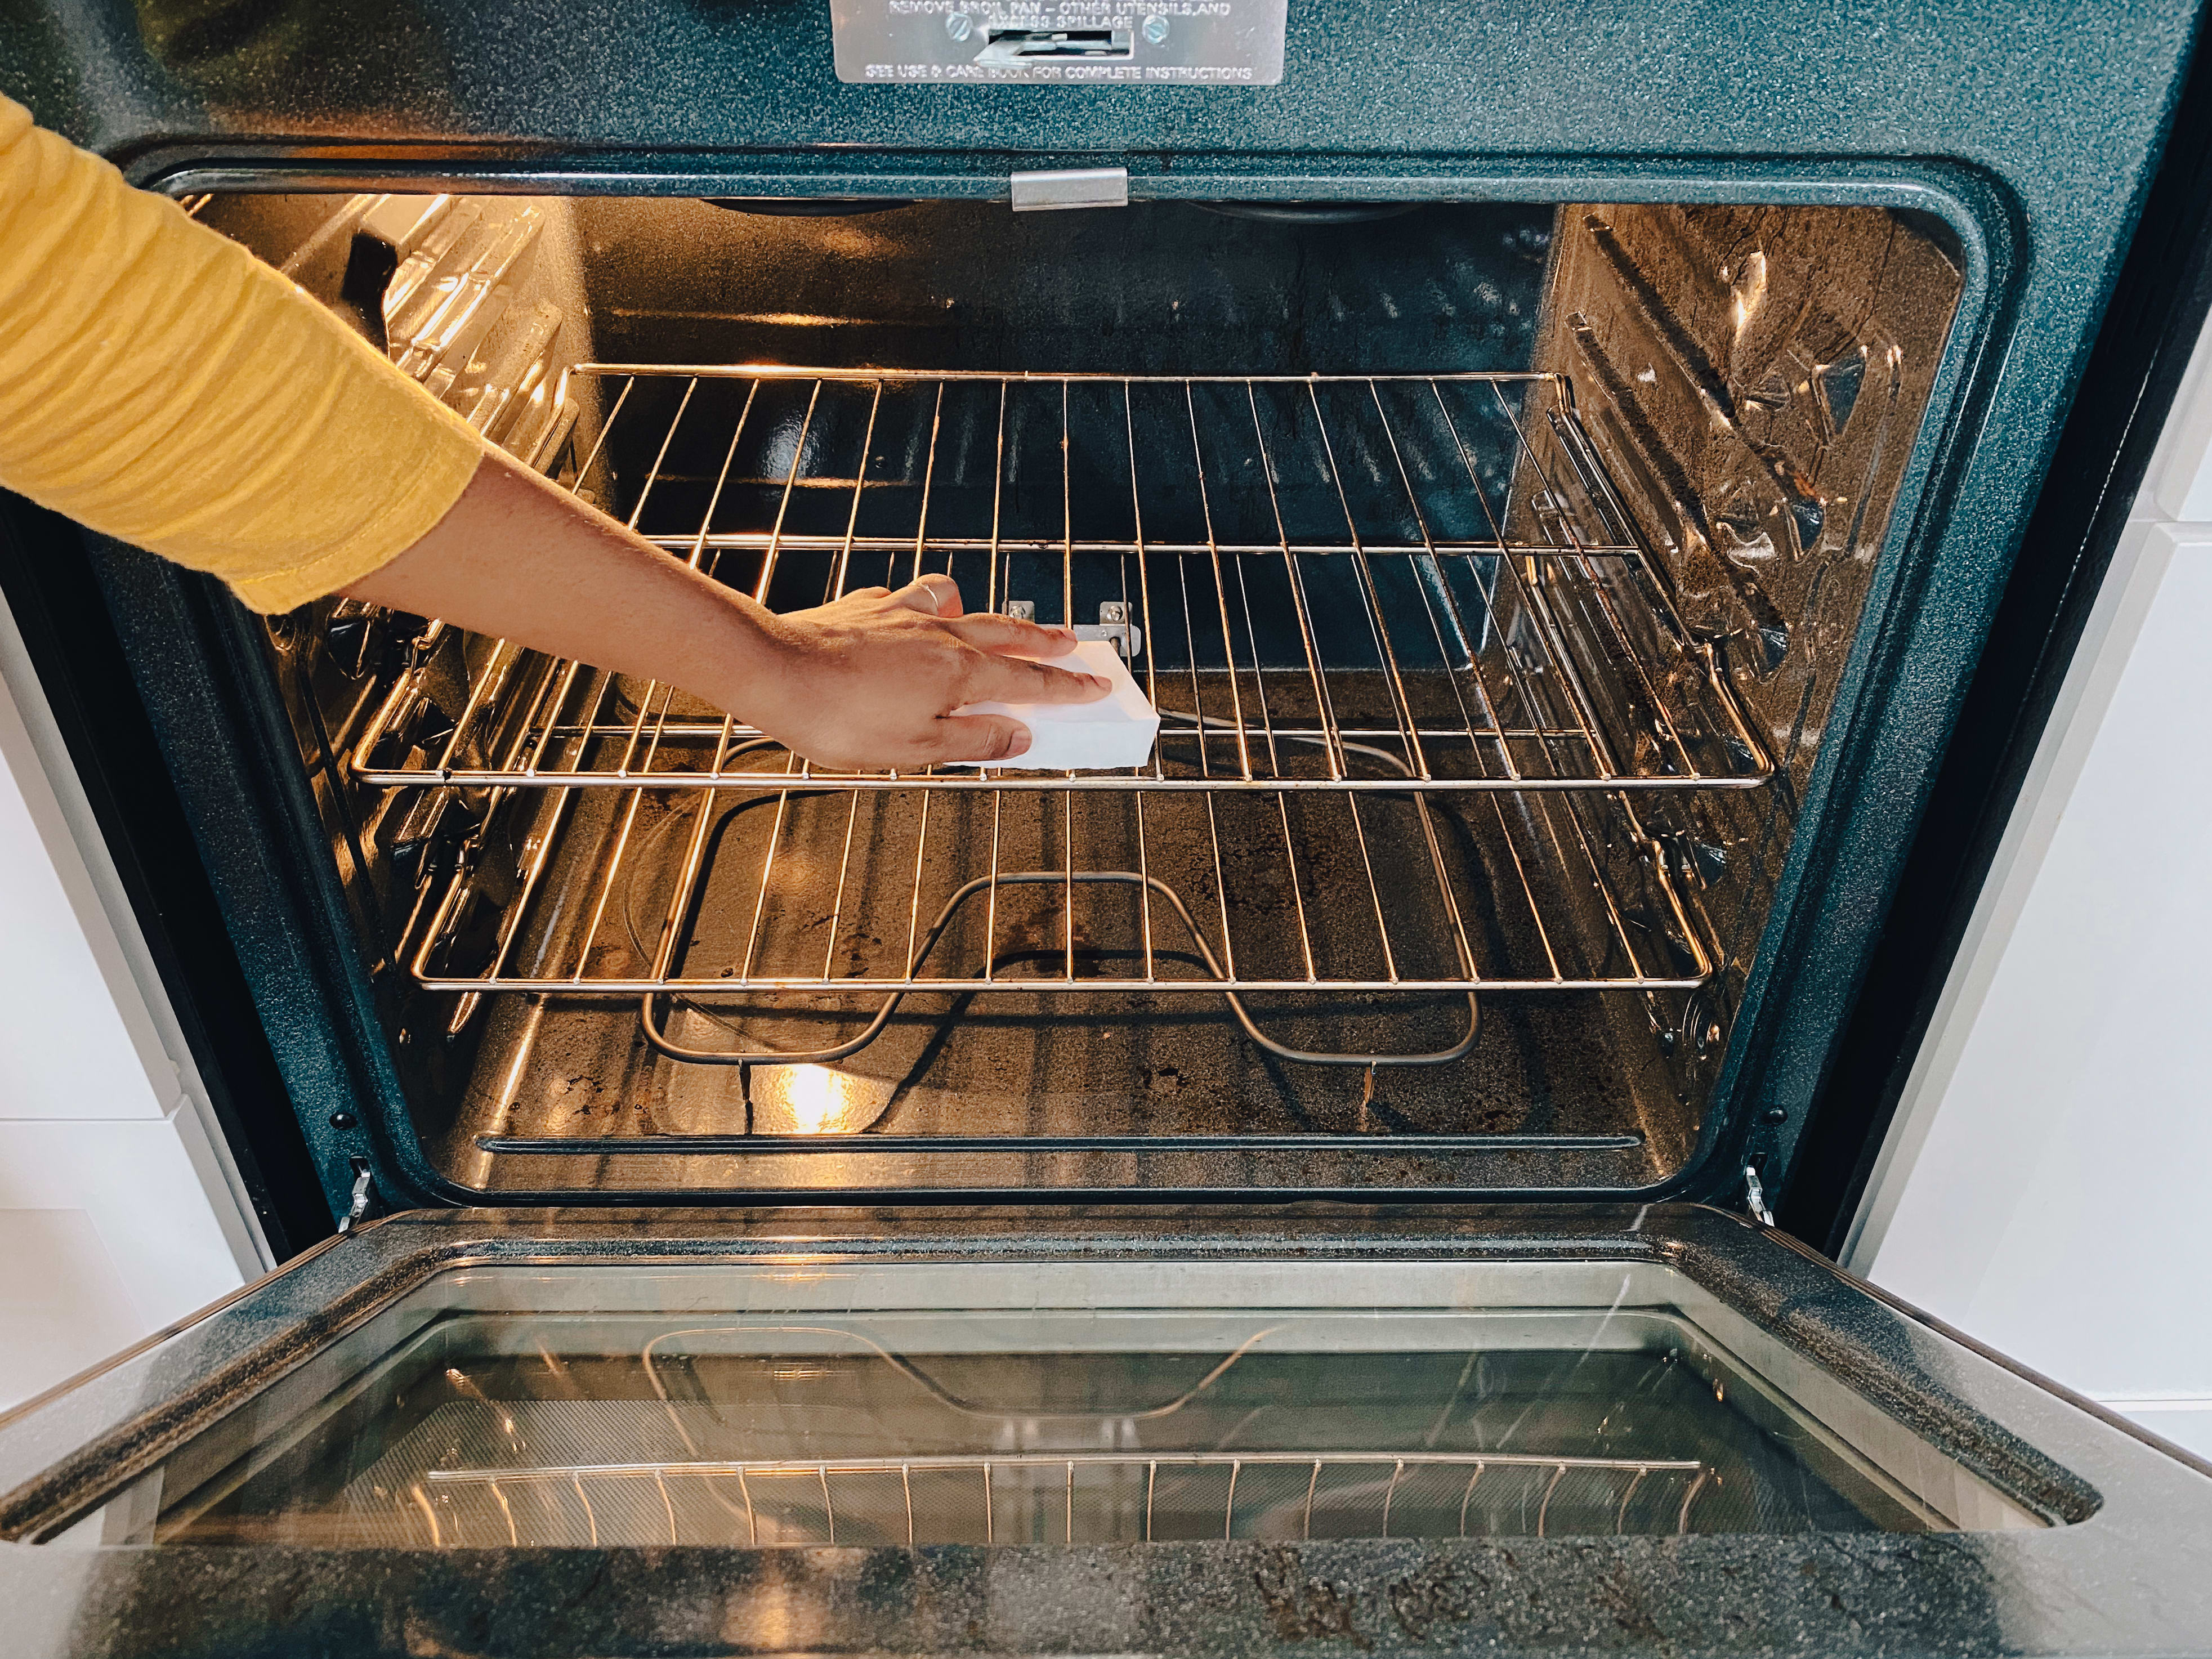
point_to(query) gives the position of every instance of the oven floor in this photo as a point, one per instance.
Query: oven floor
(1017, 1065)
(1028, 1066)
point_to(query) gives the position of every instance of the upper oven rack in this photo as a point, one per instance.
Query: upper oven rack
(1346, 584)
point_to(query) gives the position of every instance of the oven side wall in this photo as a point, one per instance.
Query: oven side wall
(1756, 380)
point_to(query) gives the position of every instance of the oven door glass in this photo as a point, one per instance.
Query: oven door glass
(1065, 1402)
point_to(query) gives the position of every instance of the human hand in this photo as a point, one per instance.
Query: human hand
(869, 681)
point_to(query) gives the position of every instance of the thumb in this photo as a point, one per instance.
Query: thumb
(980, 737)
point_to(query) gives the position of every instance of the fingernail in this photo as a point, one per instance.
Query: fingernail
(1063, 632)
(1100, 681)
(1019, 744)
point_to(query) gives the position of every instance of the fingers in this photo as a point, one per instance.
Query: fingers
(1016, 679)
(933, 595)
(991, 632)
(980, 737)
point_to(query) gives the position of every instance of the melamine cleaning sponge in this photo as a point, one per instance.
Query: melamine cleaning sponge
(1115, 731)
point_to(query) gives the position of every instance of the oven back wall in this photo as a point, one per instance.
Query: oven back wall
(1162, 288)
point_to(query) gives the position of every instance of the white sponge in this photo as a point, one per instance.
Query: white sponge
(1115, 731)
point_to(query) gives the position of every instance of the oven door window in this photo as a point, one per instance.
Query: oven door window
(1061, 1404)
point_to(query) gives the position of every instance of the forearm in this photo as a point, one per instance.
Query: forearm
(869, 680)
(518, 558)
(164, 387)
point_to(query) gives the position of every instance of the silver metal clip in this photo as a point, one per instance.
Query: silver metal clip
(1756, 1195)
(1074, 187)
(361, 1191)
(1114, 624)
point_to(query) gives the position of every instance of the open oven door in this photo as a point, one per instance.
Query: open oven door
(534, 1431)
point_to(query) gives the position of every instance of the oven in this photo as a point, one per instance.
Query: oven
(1556, 476)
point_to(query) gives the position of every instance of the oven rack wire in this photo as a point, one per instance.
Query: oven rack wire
(1063, 1498)
(701, 901)
(1324, 583)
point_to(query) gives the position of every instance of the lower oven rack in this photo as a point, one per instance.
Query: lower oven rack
(1369, 584)
(1038, 1497)
(729, 895)
(735, 909)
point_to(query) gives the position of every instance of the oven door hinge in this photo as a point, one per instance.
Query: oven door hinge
(1072, 187)
(362, 1191)
(1755, 1195)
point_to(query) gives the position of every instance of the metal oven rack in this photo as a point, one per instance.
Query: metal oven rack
(883, 893)
(1260, 535)
(1415, 678)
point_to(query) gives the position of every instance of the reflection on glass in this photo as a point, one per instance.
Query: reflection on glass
(751, 1407)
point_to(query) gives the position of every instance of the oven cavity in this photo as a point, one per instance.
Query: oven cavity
(1493, 574)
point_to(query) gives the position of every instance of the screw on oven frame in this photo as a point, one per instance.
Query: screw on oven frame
(1114, 623)
(959, 25)
(1156, 28)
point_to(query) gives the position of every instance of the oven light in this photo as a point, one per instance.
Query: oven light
(822, 1102)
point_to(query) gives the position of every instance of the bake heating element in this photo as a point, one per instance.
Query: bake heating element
(1419, 688)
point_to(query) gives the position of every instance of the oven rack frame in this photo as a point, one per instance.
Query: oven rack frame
(1551, 685)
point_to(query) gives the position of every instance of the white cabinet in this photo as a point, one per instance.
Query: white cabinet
(120, 1210)
(2043, 1185)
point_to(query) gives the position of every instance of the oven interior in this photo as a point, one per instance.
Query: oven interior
(1492, 568)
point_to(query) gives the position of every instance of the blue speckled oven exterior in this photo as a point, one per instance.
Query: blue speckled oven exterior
(2031, 131)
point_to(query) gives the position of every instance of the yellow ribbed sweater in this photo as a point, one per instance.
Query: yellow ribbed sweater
(162, 385)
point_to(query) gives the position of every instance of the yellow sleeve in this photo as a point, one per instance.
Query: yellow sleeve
(162, 385)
